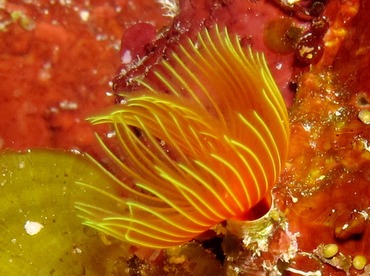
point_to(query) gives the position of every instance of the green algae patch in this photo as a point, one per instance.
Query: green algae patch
(40, 233)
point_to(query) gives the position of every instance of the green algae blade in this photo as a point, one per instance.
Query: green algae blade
(40, 233)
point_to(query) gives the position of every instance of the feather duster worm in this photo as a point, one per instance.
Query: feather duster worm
(207, 150)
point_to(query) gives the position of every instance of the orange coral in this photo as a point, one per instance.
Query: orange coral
(207, 150)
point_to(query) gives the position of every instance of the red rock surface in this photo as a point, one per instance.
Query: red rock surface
(56, 62)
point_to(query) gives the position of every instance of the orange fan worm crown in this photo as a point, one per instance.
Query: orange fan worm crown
(207, 150)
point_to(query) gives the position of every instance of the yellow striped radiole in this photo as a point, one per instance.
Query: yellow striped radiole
(203, 141)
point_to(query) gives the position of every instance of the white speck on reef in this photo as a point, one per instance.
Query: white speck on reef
(171, 7)
(32, 227)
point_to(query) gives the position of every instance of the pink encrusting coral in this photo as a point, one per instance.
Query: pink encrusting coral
(205, 145)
